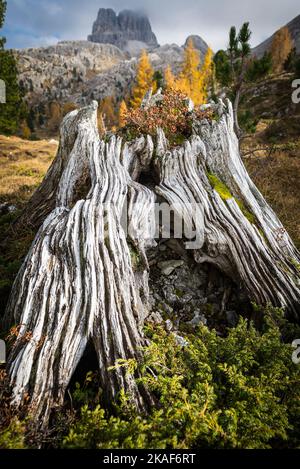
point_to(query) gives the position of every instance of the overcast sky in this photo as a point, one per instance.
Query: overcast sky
(32, 23)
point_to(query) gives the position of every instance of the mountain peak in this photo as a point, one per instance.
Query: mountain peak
(128, 25)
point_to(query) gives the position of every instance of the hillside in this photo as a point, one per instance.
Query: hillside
(294, 28)
(275, 167)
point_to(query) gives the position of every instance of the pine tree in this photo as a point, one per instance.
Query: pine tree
(281, 48)
(144, 80)
(11, 110)
(122, 114)
(2, 17)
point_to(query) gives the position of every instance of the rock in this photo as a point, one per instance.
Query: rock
(198, 319)
(155, 318)
(168, 267)
(198, 43)
(181, 341)
(169, 325)
(232, 318)
(6, 209)
(110, 28)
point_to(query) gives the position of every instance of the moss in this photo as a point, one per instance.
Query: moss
(249, 215)
(219, 187)
(179, 293)
(225, 194)
(295, 264)
(136, 259)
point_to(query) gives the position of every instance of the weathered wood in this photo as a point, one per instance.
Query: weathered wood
(78, 282)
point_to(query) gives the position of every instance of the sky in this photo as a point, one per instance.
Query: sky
(33, 23)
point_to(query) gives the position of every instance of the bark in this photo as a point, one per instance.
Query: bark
(79, 282)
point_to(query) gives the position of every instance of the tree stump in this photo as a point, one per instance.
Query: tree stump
(79, 283)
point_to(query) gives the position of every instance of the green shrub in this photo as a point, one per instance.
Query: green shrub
(239, 391)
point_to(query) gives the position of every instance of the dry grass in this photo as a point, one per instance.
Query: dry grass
(23, 164)
(278, 178)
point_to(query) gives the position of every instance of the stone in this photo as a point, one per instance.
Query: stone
(198, 43)
(169, 325)
(168, 267)
(232, 318)
(110, 28)
(181, 341)
(155, 318)
(198, 319)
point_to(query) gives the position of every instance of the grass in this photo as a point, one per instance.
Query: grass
(23, 165)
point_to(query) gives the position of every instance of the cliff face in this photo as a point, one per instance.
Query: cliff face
(294, 28)
(110, 28)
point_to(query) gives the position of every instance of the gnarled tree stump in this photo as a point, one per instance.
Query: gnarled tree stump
(78, 283)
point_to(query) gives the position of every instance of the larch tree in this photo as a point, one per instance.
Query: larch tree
(207, 70)
(170, 79)
(144, 80)
(191, 80)
(281, 48)
(122, 114)
(108, 111)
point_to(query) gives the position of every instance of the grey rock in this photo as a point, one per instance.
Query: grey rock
(198, 43)
(181, 341)
(168, 267)
(198, 319)
(232, 318)
(110, 28)
(155, 318)
(169, 325)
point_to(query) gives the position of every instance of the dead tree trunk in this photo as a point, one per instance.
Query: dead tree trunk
(79, 282)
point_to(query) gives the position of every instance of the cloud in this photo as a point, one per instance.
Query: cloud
(40, 22)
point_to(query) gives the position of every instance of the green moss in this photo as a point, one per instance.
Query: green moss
(295, 264)
(219, 187)
(136, 259)
(179, 293)
(250, 217)
(225, 194)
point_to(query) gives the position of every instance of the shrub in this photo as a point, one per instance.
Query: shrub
(238, 391)
(171, 114)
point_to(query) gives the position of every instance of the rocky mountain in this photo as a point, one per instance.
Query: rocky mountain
(294, 28)
(79, 71)
(199, 44)
(110, 28)
(56, 72)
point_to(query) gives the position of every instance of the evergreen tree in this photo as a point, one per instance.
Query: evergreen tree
(2, 17)
(10, 112)
(144, 80)
(223, 68)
